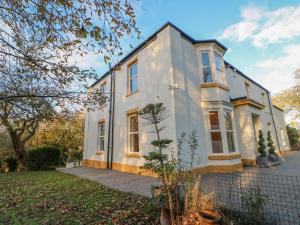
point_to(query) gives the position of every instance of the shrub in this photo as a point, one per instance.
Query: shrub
(261, 145)
(293, 136)
(47, 157)
(253, 201)
(271, 146)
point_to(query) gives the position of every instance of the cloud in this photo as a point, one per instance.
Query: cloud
(278, 73)
(263, 27)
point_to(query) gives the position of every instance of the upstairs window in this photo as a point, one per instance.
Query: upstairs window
(133, 78)
(215, 132)
(133, 133)
(206, 68)
(103, 88)
(219, 67)
(229, 131)
(101, 132)
(247, 86)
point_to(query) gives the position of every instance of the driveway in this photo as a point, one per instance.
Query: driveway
(289, 166)
(121, 181)
(137, 184)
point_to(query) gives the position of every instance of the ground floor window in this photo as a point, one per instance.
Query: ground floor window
(101, 133)
(133, 133)
(229, 131)
(215, 132)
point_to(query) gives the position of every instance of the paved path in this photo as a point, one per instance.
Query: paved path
(141, 184)
(126, 182)
(290, 166)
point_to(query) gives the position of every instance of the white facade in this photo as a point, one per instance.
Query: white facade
(170, 70)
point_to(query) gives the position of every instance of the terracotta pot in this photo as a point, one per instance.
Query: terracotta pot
(209, 217)
(165, 217)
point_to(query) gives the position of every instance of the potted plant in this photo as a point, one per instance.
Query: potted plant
(262, 159)
(273, 157)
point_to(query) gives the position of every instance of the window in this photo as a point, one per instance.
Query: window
(103, 88)
(133, 78)
(207, 76)
(247, 89)
(219, 67)
(133, 133)
(101, 132)
(229, 131)
(215, 131)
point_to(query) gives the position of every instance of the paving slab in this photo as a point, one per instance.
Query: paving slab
(121, 181)
(290, 166)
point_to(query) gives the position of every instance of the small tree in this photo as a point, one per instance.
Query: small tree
(271, 146)
(261, 144)
(157, 160)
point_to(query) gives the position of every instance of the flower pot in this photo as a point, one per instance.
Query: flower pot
(273, 158)
(165, 217)
(209, 217)
(262, 160)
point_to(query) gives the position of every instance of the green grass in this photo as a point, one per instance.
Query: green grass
(51, 197)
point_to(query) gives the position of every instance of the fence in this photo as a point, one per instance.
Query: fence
(281, 194)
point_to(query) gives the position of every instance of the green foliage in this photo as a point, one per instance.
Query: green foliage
(253, 201)
(47, 157)
(50, 197)
(271, 146)
(66, 132)
(292, 135)
(261, 144)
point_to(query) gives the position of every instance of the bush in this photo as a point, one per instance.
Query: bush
(8, 164)
(293, 137)
(47, 157)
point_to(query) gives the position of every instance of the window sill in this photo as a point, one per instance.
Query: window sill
(213, 85)
(224, 156)
(133, 155)
(132, 93)
(100, 153)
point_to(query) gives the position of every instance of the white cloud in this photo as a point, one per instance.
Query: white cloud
(277, 74)
(264, 27)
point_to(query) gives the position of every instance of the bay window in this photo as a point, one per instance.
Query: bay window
(206, 68)
(219, 67)
(215, 132)
(229, 131)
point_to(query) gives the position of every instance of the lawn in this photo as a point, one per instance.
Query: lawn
(51, 197)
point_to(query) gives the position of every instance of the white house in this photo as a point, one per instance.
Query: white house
(201, 91)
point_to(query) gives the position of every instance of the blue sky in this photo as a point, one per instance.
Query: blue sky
(263, 37)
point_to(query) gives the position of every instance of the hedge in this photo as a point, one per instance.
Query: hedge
(42, 158)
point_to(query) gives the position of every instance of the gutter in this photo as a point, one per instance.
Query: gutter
(113, 81)
(109, 121)
(272, 114)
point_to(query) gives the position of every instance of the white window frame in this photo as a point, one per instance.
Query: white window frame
(131, 78)
(216, 130)
(101, 136)
(205, 67)
(229, 131)
(103, 88)
(219, 72)
(132, 132)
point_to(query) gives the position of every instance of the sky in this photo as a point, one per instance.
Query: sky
(262, 37)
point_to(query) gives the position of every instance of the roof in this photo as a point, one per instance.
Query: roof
(185, 35)
(243, 75)
(144, 43)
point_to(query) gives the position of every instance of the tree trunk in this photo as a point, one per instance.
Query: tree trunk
(19, 148)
